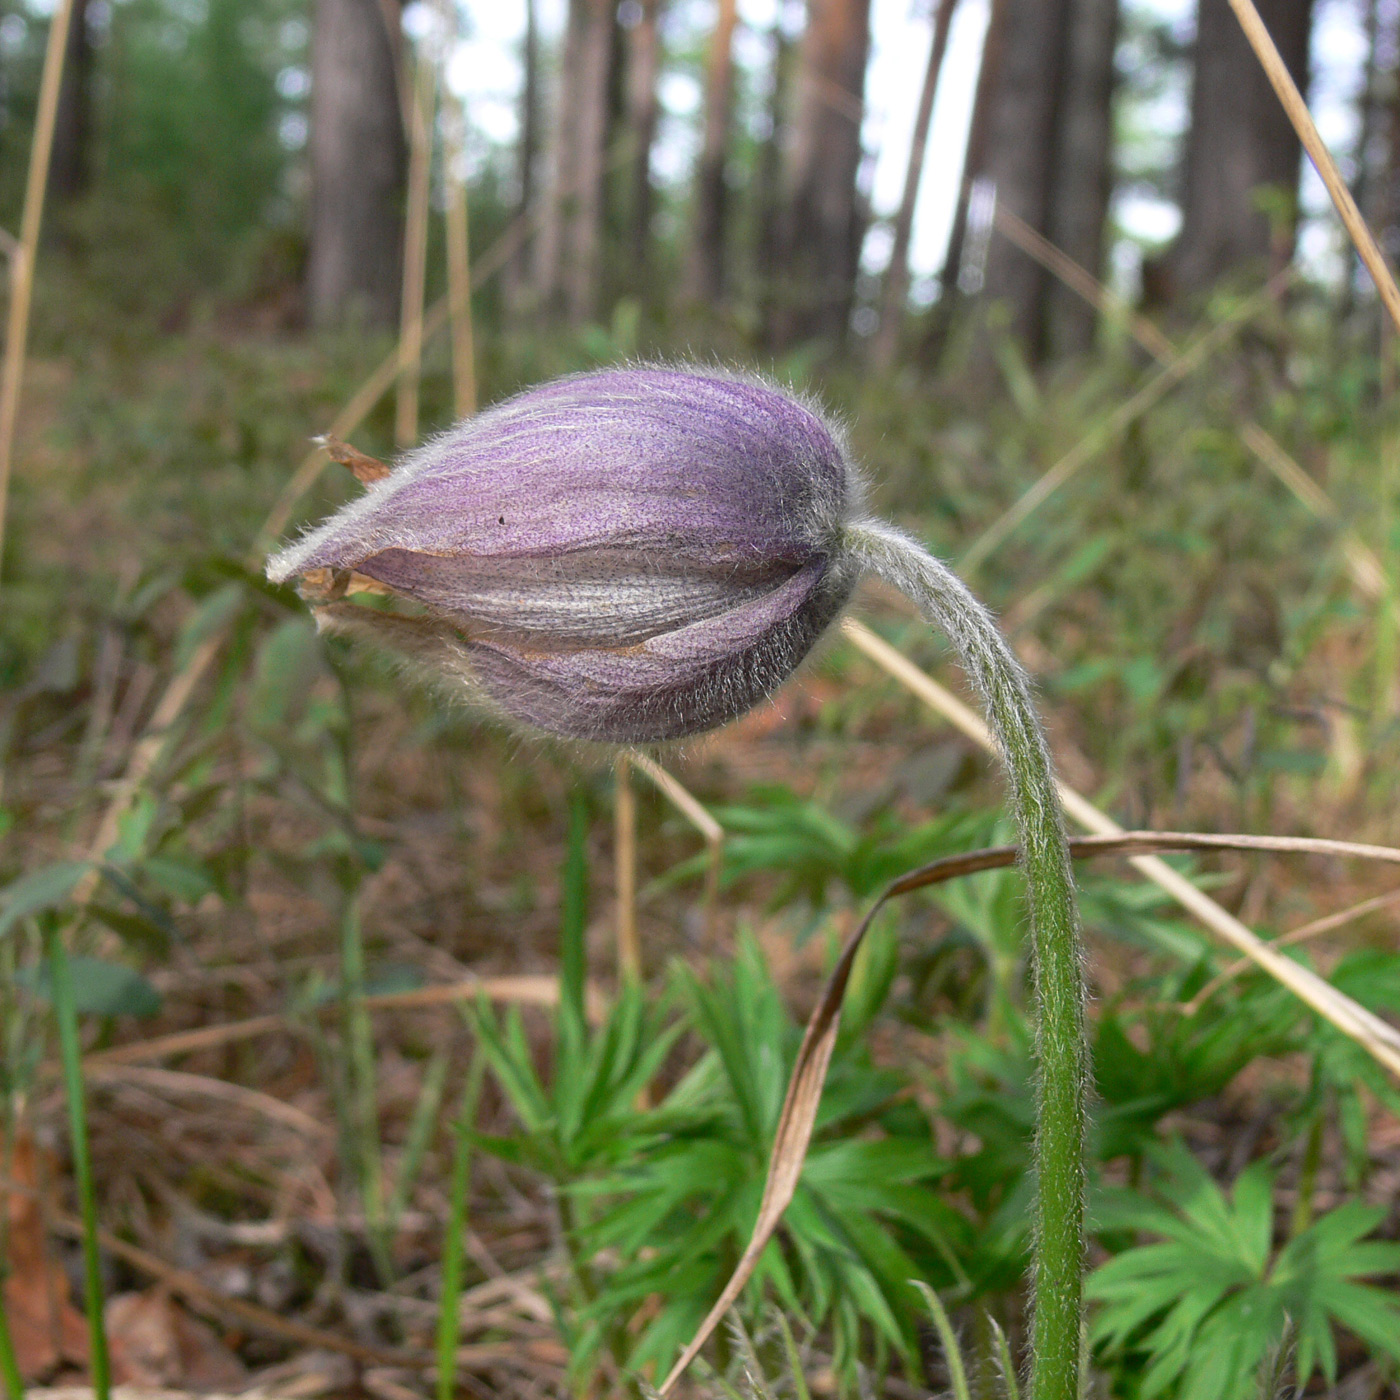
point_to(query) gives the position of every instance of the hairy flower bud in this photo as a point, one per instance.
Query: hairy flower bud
(626, 556)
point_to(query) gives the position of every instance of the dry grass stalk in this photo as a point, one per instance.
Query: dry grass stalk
(1315, 929)
(1082, 282)
(1117, 423)
(24, 252)
(713, 833)
(525, 989)
(177, 1083)
(1366, 570)
(1380, 1040)
(629, 948)
(1297, 109)
(415, 254)
(1363, 565)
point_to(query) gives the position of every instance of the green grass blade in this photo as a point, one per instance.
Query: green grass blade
(71, 1055)
(10, 1377)
(1005, 1361)
(957, 1373)
(449, 1311)
(794, 1358)
(363, 1096)
(420, 1134)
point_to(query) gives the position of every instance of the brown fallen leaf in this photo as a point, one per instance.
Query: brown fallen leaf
(155, 1342)
(47, 1331)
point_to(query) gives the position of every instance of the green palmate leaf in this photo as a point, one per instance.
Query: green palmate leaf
(1200, 1312)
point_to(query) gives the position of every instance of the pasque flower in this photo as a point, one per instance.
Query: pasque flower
(645, 553)
(628, 556)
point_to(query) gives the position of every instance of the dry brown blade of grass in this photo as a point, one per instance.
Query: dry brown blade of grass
(25, 250)
(1365, 568)
(179, 1083)
(1378, 1038)
(1118, 422)
(415, 258)
(690, 807)
(799, 1113)
(526, 989)
(1297, 110)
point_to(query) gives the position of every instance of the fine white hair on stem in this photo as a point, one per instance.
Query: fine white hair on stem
(946, 601)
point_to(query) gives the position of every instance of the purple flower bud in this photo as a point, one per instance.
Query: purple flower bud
(627, 556)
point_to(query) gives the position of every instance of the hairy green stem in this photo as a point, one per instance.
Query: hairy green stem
(1061, 1055)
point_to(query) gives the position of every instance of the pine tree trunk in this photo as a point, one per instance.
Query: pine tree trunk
(769, 177)
(1082, 179)
(896, 288)
(520, 278)
(706, 266)
(571, 242)
(358, 161)
(952, 293)
(643, 67)
(1242, 156)
(1019, 160)
(69, 163)
(822, 220)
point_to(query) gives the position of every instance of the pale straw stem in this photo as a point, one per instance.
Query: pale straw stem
(24, 253)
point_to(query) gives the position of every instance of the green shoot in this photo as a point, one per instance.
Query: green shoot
(449, 1312)
(70, 1053)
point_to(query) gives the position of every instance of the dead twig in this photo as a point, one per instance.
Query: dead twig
(1297, 109)
(523, 990)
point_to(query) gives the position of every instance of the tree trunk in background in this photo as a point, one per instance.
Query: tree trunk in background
(358, 160)
(571, 243)
(1019, 160)
(643, 67)
(1362, 181)
(951, 290)
(527, 149)
(896, 288)
(69, 164)
(769, 176)
(705, 268)
(1082, 180)
(1241, 147)
(822, 218)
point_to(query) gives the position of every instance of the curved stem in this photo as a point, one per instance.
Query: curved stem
(1059, 978)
